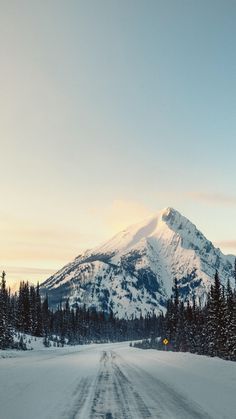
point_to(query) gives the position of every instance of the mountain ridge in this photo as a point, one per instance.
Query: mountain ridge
(133, 272)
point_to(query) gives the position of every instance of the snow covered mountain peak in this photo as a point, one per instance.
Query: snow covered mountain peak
(168, 211)
(139, 232)
(133, 272)
(175, 220)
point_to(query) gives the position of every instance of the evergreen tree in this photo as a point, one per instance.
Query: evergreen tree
(24, 315)
(234, 273)
(175, 313)
(214, 321)
(181, 329)
(230, 322)
(6, 336)
(33, 314)
(45, 316)
(38, 328)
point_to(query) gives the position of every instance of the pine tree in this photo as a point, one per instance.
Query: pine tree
(222, 334)
(45, 316)
(175, 313)
(24, 317)
(6, 335)
(216, 320)
(181, 339)
(38, 312)
(234, 273)
(33, 314)
(230, 322)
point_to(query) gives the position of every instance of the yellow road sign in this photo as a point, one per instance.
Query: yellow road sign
(165, 341)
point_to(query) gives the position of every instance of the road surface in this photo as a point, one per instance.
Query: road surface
(114, 381)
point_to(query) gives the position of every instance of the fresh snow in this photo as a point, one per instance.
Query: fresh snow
(114, 381)
(137, 267)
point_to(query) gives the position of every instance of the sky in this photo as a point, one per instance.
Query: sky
(111, 111)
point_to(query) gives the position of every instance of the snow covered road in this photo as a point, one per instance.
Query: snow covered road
(114, 381)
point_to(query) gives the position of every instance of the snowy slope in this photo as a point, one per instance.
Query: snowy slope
(133, 273)
(115, 381)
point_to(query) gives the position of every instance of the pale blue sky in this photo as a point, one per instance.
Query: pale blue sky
(111, 110)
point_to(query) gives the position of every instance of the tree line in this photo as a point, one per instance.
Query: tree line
(26, 313)
(208, 330)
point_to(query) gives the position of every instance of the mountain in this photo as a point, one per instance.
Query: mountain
(133, 273)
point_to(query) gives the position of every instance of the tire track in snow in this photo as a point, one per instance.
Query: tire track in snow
(166, 401)
(139, 408)
(122, 390)
(107, 401)
(80, 395)
(114, 396)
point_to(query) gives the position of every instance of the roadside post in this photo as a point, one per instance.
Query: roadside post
(165, 342)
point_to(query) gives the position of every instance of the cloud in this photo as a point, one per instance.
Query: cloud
(25, 270)
(15, 274)
(22, 241)
(213, 198)
(120, 214)
(25, 244)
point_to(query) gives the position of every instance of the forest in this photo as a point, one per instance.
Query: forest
(186, 326)
(208, 330)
